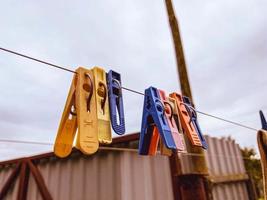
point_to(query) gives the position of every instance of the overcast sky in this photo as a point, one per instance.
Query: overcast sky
(225, 45)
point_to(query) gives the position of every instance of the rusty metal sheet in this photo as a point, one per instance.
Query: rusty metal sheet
(109, 174)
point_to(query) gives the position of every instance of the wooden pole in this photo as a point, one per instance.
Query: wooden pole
(196, 190)
(262, 144)
(180, 58)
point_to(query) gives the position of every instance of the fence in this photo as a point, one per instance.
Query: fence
(115, 173)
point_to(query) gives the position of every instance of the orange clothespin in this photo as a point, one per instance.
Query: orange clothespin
(83, 117)
(155, 140)
(186, 122)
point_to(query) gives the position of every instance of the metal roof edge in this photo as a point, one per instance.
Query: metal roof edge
(116, 140)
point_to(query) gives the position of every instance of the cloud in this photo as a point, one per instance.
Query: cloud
(225, 50)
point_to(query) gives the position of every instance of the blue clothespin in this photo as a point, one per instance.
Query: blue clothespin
(116, 102)
(263, 121)
(193, 117)
(153, 114)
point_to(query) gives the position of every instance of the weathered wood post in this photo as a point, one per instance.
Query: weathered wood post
(186, 186)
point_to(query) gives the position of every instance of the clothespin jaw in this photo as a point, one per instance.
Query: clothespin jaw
(154, 141)
(116, 102)
(68, 125)
(263, 121)
(186, 121)
(157, 141)
(102, 105)
(153, 114)
(193, 116)
(87, 138)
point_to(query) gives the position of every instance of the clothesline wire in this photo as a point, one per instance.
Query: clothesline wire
(130, 149)
(37, 60)
(25, 142)
(124, 88)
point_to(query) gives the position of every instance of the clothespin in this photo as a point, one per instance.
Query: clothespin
(81, 99)
(263, 121)
(102, 105)
(171, 114)
(68, 124)
(186, 122)
(153, 114)
(155, 140)
(116, 102)
(87, 138)
(193, 116)
(180, 143)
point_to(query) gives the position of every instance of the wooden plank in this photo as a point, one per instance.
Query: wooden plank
(228, 178)
(11, 179)
(23, 182)
(39, 181)
(262, 145)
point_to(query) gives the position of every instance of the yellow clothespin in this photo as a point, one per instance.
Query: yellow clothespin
(102, 106)
(82, 99)
(87, 138)
(68, 125)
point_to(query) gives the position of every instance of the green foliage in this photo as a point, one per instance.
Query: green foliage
(253, 167)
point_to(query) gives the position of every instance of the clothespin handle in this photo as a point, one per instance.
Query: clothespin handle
(116, 102)
(194, 121)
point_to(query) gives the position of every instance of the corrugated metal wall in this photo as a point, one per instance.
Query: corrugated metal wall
(224, 159)
(122, 174)
(112, 175)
